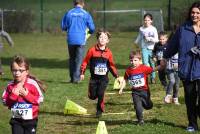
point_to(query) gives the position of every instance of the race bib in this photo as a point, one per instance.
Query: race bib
(100, 69)
(22, 110)
(136, 81)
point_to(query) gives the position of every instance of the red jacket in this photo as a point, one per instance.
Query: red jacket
(33, 98)
(137, 77)
(100, 62)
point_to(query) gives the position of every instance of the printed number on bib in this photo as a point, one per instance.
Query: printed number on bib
(136, 81)
(22, 110)
(100, 69)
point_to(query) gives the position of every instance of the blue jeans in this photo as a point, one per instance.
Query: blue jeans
(147, 60)
(76, 53)
(173, 83)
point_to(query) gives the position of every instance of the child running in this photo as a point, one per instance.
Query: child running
(137, 76)
(147, 38)
(23, 96)
(174, 80)
(100, 60)
(158, 56)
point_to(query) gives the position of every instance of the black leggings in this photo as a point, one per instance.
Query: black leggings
(192, 101)
(96, 90)
(20, 126)
(141, 100)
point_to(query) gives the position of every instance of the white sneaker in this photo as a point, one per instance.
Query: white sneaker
(175, 101)
(168, 98)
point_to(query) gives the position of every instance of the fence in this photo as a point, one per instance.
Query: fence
(46, 14)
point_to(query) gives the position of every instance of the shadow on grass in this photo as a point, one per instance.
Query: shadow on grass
(120, 122)
(157, 121)
(41, 63)
(108, 121)
(118, 103)
(64, 115)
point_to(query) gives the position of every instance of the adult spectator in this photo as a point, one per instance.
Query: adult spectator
(186, 41)
(77, 23)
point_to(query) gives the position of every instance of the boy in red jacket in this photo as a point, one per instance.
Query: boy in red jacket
(137, 76)
(100, 60)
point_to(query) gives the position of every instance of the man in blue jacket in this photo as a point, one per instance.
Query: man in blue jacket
(76, 23)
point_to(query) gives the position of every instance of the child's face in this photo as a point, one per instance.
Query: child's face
(135, 62)
(19, 72)
(147, 21)
(163, 39)
(103, 39)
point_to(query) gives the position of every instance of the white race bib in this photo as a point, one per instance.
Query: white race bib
(100, 69)
(136, 81)
(22, 110)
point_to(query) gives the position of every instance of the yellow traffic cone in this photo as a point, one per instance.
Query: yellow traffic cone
(118, 83)
(101, 128)
(73, 108)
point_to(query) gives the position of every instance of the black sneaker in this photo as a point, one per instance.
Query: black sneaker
(98, 114)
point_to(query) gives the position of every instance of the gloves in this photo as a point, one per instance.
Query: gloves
(195, 50)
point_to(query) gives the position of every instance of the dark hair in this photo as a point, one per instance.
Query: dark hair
(22, 61)
(194, 5)
(148, 15)
(101, 30)
(76, 2)
(135, 54)
(162, 33)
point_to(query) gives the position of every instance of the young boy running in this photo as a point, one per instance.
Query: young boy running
(158, 50)
(137, 76)
(100, 60)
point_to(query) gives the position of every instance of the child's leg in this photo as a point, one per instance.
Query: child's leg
(16, 126)
(171, 83)
(145, 57)
(30, 126)
(100, 94)
(152, 64)
(176, 86)
(92, 89)
(162, 78)
(138, 106)
(146, 100)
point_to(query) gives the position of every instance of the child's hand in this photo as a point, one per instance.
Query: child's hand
(15, 91)
(23, 92)
(154, 59)
(82, 77)
(120, 91)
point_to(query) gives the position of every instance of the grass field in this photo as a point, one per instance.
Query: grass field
(48, 57)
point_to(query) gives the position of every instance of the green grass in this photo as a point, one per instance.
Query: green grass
(48, 56)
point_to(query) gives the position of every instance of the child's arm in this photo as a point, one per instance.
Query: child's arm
(162, 65)
(139, 37)
(123, 82)
(112, 67)
(84, 64)
(122, 87)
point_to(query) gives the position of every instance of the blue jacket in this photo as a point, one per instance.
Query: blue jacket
(183, 40)
(75, 22)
